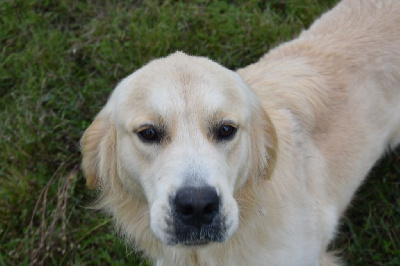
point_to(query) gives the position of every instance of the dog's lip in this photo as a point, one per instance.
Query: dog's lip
(199, 242)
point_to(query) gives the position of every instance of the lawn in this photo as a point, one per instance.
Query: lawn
(60, 60)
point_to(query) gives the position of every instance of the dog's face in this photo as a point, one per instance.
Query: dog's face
(183, 139)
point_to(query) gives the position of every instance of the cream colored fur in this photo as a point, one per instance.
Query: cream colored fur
(313, 117)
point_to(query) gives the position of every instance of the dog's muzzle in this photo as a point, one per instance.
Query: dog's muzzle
(197, 216)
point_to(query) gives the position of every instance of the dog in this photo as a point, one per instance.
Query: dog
(201, 165)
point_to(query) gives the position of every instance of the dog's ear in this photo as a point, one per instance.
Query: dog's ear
(98, 151)
(264, 145)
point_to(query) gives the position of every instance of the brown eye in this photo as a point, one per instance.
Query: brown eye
(226, 132)
(149, 135)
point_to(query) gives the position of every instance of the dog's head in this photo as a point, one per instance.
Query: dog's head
(182, 135)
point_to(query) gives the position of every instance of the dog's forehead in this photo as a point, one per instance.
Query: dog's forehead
(183, 85)
(184, 81)
(187, 89)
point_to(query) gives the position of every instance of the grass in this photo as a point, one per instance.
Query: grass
(59, 61)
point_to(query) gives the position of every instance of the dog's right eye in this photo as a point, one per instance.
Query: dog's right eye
(225, 132)
(149, 135)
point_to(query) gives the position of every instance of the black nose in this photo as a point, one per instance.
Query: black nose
(196, 206)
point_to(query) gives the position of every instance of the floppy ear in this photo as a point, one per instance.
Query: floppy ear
(98, 151)
(264, 144)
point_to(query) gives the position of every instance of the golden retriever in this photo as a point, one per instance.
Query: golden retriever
(200, 165)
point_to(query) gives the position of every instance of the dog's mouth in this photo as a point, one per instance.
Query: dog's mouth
(192, 236)
(196, 243)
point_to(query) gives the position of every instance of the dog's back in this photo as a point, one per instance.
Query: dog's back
(356, 47)
(340, 81)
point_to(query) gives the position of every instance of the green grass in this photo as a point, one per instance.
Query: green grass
(59, 60)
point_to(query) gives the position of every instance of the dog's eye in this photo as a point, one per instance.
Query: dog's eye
(149, 135)
(226, 132)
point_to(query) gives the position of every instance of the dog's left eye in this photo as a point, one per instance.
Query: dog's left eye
(226, 132)
(149, 135)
